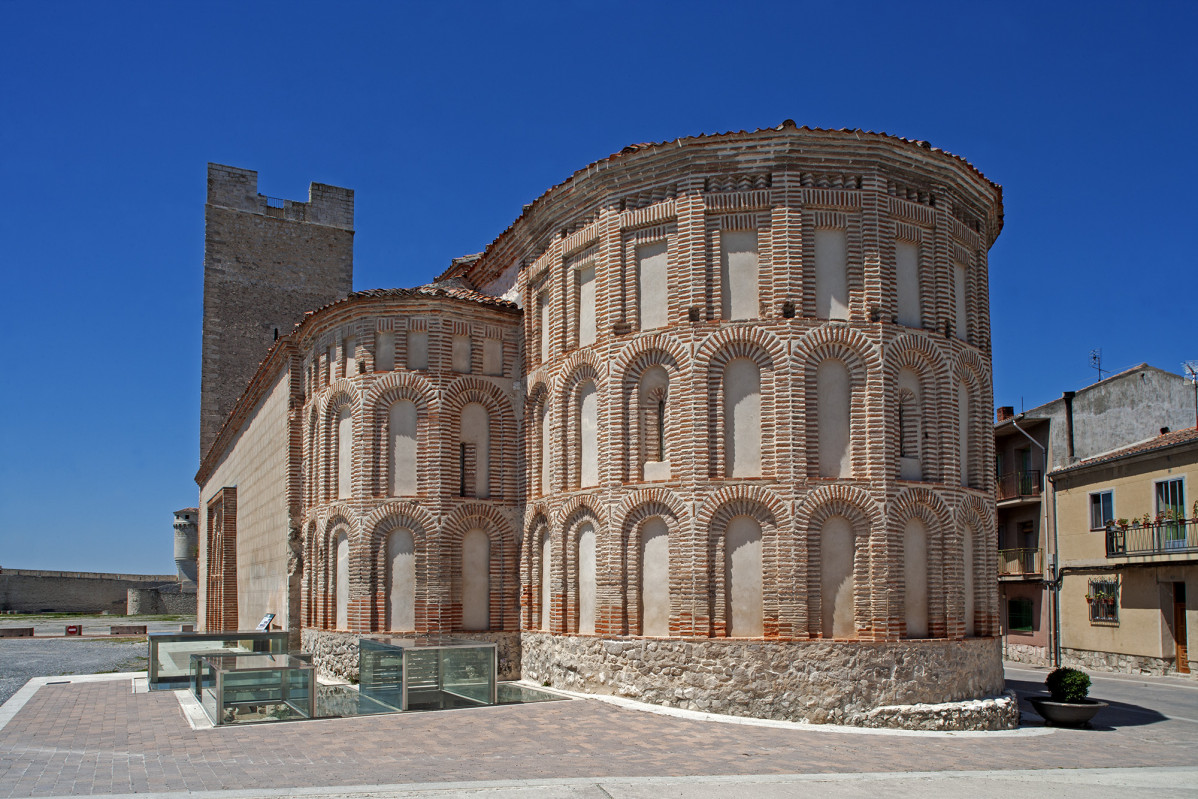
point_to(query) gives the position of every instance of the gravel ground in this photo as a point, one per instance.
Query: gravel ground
(22, 659)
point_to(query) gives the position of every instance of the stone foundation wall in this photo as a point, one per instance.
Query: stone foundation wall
(815, 681)
(1026, 653)
(158, 600)
(335, 654)
(1089, 660)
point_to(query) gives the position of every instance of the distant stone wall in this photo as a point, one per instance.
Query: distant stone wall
(336, 653)
(826, 682)
(39, 591)
(166, 599)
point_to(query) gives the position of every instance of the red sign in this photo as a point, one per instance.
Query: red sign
(74, 629)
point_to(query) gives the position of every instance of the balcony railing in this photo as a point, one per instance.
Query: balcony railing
(1016, 485)
(1166, 537)
(1020, 562)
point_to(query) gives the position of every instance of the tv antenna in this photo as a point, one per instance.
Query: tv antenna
(1096, 361)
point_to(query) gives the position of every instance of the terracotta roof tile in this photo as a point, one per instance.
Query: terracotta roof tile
(1171, 439)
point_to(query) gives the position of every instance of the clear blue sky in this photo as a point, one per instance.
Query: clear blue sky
(447, 117)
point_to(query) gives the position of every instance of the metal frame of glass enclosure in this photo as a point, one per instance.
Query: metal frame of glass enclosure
(259, 688)
(177, 647)
(428, 672)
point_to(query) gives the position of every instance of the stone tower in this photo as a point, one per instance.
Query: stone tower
(267, 262)
(187, 542)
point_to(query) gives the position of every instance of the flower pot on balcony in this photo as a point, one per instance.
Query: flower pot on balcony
(1066, 714)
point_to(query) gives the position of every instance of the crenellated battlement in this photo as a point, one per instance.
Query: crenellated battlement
(236, 188)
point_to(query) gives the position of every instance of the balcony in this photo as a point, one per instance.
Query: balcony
(1164, 537)
(1027, 564)
(1018, 485)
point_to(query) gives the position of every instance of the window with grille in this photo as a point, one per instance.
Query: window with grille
(1103, 597)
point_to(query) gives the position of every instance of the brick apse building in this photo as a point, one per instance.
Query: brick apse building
(708, 425)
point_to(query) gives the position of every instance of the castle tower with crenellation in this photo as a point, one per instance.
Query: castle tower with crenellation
(267, 262)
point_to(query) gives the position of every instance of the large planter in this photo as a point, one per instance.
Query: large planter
(1066, 714)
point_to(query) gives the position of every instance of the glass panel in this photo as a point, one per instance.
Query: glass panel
(427, 672)
(170, 653)
(241, 689)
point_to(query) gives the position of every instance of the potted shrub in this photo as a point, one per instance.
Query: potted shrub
(1068, 703)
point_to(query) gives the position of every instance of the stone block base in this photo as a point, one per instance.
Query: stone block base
(1026, 653)
(828, 682)
(335, 654)
(1089, 660)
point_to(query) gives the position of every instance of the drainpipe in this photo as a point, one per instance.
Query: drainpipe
(1054, 625)
(1068, 397)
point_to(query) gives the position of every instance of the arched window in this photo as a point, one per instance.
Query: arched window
(401, 435)
(474, 452)
(546, 580)
(588, 428)
(652, 394)
(742, 418)
(837, 585)
(742, 578)
(341, 578)
(910, 424)
(834, 387)
(345, 452)
(915, 578)
(585, 577)
(655, 577)
(964, 408)
(476, 580)
(967, 557)
(401, 580)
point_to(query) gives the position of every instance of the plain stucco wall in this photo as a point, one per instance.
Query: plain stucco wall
(586, 306)
(256, 463)
(588, 420)
(402, 435)
(743, 578)
(906, 256)
(655, 577)
(476, 580)
(834, 387)
(653, 291)
(742, 417)
(831, 274)
(738, 274)
(417, 349)
(915, 578)
(401, 580)
(586, 578)
(476, 430)
(837, 596)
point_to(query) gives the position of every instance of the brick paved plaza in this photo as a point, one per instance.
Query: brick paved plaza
(100, 737)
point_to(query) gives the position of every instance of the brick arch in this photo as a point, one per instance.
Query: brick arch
(569, 428)
(768, 352)
(577, 360)
(917, 502)
(336, 518)
(629, 368)
(504, 566)
(391, 388)
(502, 418)
(863, 360)
(743, 341)
(633, 512)
(868, 522)
(539, 394)
(577, 511)
(971, 371)
(712, 522)
(372, 543)
(536, 524)
(921, 355)
(977, 513)
(341, 393)
(311, 591)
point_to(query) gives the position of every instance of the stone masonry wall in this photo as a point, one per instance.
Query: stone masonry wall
(267, 262)
(36, 590)
(336, 653)
(815, 681)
